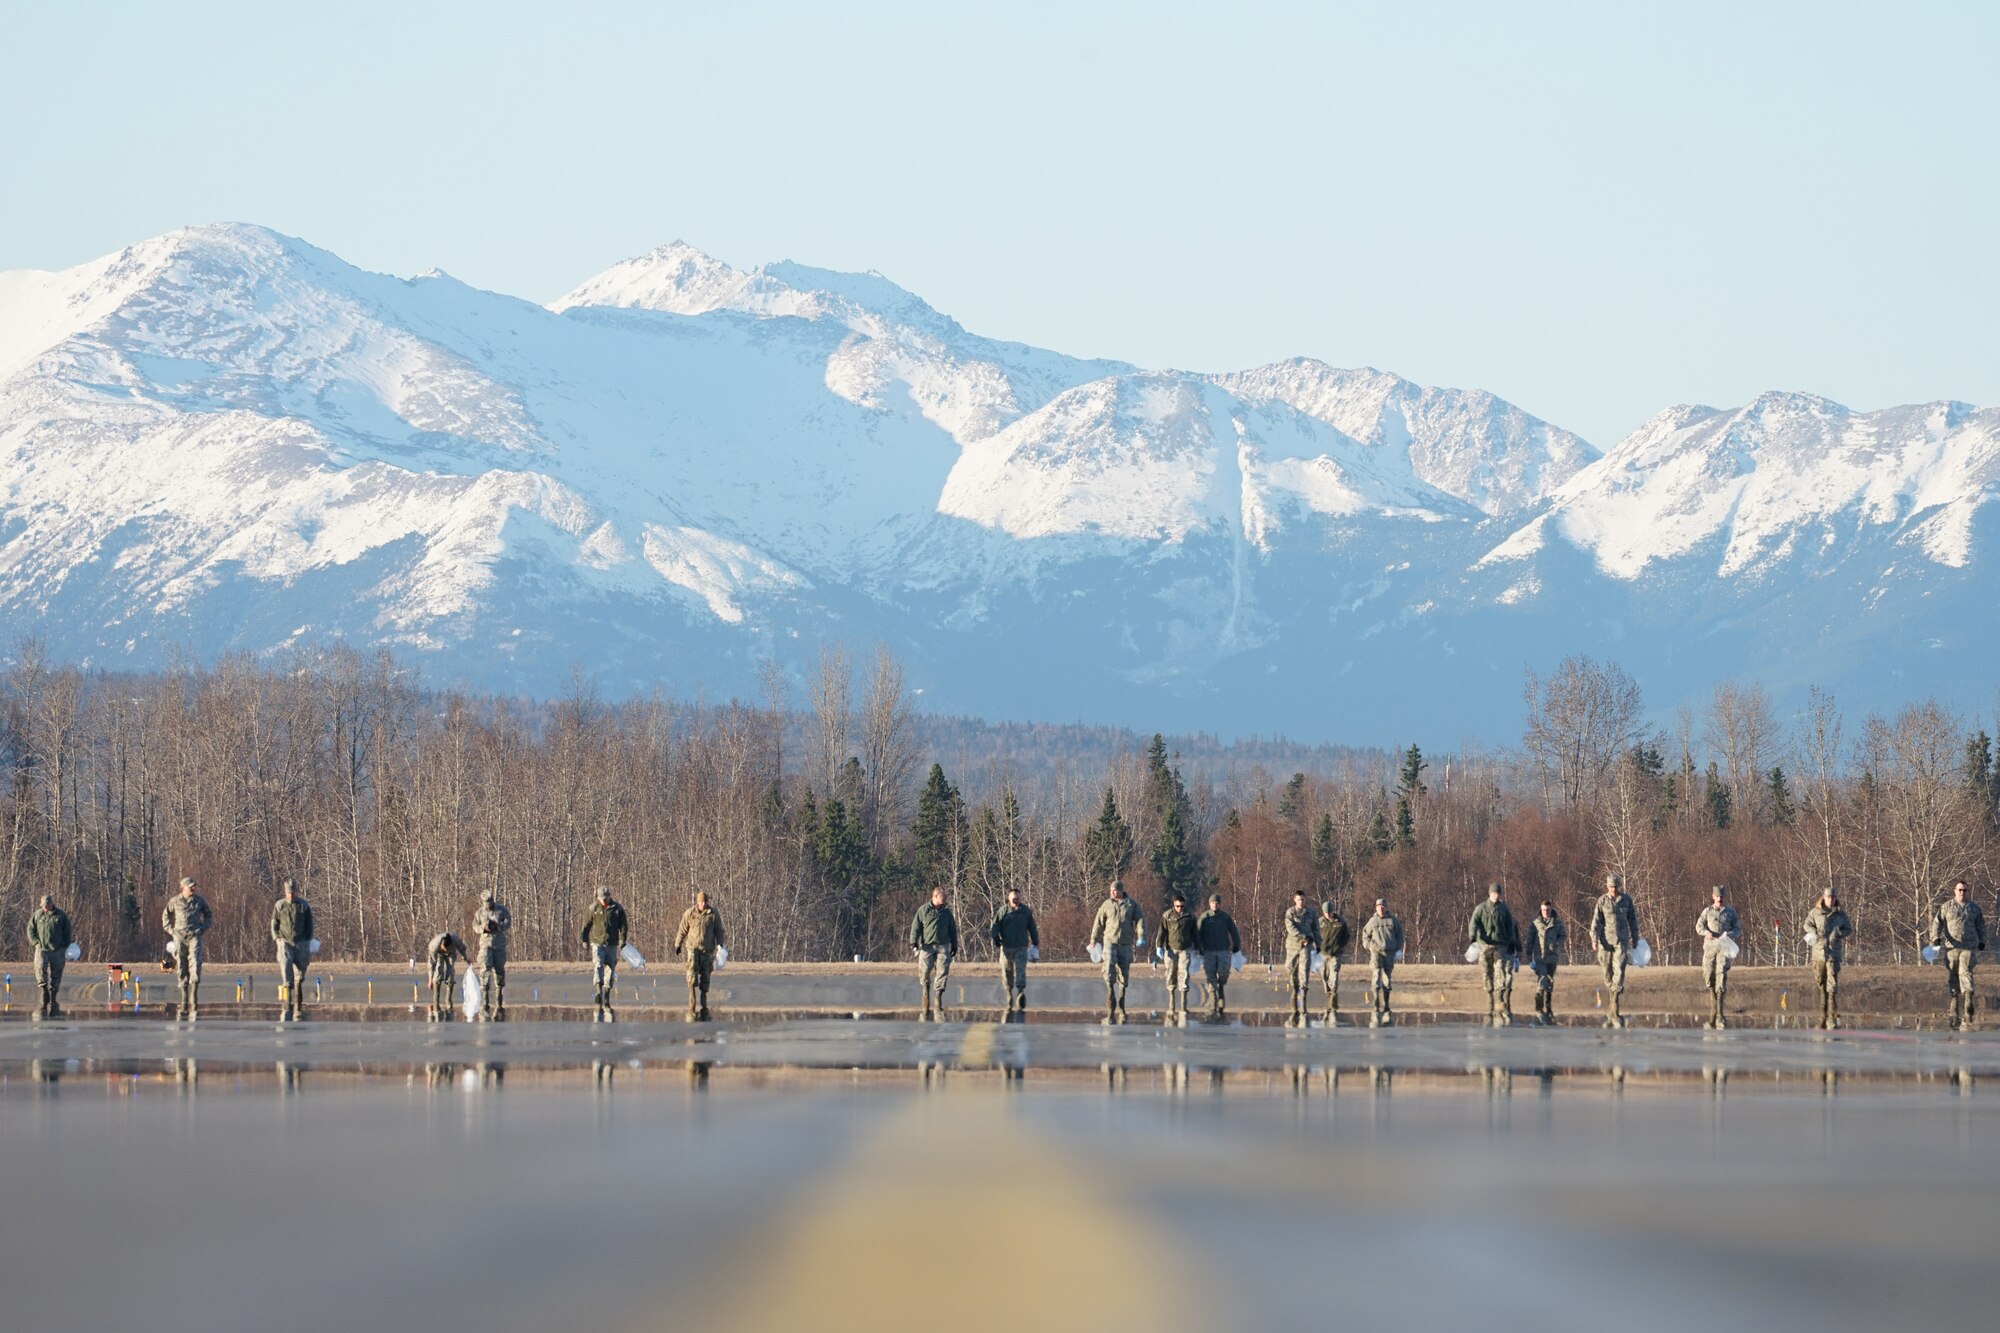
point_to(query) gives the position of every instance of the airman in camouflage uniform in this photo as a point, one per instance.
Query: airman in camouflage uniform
(490, 925)
(49, 936)
(1827, 929)
(1716, 924)
(1301, 942)
(1179, 943)
(1614, 929)
(604, 932)
(1220, 942)
(1494, 930)
(1013, 934)
(700, 934)
(292, 932)
(1545, 939)
(186, 919)
(1382, 940)
(934, 939)
(1958, 929)
(1116, 928)
(1332, 939)
(445, 953)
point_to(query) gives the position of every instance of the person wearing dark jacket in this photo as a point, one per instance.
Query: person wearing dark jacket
(605, 931)
(1179, 945)
(292, 932)
(1332, 939)
(934, 939)
(1220, 942)
(1014, 934)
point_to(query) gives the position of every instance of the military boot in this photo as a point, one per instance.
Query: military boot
(704, 1002)
(1971, 1012)
(1616, 1020)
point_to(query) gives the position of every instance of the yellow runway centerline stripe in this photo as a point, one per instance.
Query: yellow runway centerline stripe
(976, 1052)
(954, 1215)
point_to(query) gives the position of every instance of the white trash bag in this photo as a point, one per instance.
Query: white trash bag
(313, 947)
(721, 956)
(1472, 953)
(1642, 953)
(74, 952)
(173, 948)
(630, 953)
(1929, 952)
(1096, 953)
(1727, 947)
(1810, 938)
(1313, 961)
(1399, 955)
(470, 996)
(1034, 954)
(1237, 962)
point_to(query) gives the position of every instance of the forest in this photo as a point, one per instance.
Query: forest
(820, 814)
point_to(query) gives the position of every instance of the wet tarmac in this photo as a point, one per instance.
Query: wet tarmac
(780, 1171)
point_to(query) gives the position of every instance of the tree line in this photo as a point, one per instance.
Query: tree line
(819, 822)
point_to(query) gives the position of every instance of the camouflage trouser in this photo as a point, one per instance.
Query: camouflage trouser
(933, 968)
(48, 972)
(187, 960)
(1298, 970)
(492, 981)
(1826, 976)
(1496, 969)
(1714, 971)
(701, 966)
(1180, 970)
(292, 962)
(1014, 971)
(1215, 968)
(1329, 971)
(1958, 966)
(603, 970)
(1613, 961)
(443, 981)
(1381, 972)
(1117, 969)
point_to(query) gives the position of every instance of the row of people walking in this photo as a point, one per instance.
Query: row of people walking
(1210, 942)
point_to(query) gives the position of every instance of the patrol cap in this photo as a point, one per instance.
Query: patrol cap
(187, 881)
(1494, 887)
(289, 886)
(1718, 891)
(1326, 907)
(1614, 881)
(1381, 902)
(48, 900)
(604, 893)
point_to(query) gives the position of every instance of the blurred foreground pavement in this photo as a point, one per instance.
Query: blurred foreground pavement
(888, 1176)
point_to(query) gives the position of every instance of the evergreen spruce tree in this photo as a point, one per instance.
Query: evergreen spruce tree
(1981, 779)
(1325, 853)
(1292, 802)
(1715, 802)
(1409, 781)
(1107, 847)
(939, 835)
(1406, 823)
(1379, 835)
(1782, 807)
(1177, 868)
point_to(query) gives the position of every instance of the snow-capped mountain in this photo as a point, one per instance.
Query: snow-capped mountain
(225, 438)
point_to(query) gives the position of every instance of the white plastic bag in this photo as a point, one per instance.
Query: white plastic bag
(1238, 962)
(1727, 947)
(1140, 938)
(173, 948)
(1399, 955)
(1313, 961)
(1930, 953)
(1809, 938)
(469, 995)
(721, 956)
(313, 947)
(1034, 954)
(630, 953)
(1096, 953)
(1472, 952)
(74, 952)
(1642, 953)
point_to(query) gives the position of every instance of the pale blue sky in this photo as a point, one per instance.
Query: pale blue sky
(1595, 210)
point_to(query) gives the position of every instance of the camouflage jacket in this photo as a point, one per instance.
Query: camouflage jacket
(491, 924)
(1493, 924)
(292, 921)
(446, 950)
(186, 916)
(1301, 930)
(48, 929)
(700, 930)
(1614, 922)
(1116, 924)
(1830, 929)
(1383, 935)
(1716, 923)
(1959, 925)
